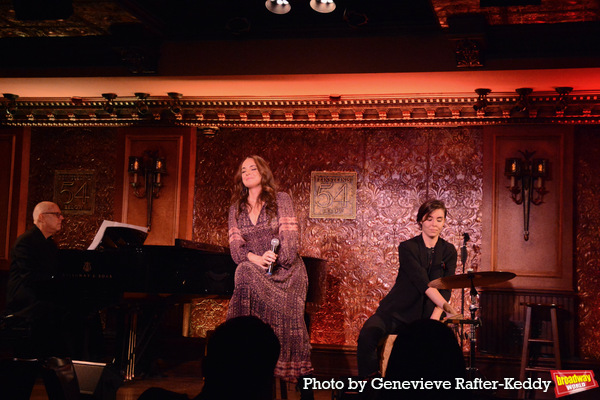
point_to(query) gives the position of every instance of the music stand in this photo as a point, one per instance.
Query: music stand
(118, 236)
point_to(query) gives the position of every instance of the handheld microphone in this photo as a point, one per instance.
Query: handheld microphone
(274, 246)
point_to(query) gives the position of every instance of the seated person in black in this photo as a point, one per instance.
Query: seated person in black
(55, 324)
(422, 259)
(33, 265)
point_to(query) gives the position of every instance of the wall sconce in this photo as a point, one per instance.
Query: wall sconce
(482, 101)
(530, 175)
(150, 166)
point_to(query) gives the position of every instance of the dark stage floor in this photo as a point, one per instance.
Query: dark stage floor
(182, 378)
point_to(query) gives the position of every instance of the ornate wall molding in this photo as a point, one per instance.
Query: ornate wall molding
(416, 111)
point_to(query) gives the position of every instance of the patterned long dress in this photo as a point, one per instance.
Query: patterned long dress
(277, 299)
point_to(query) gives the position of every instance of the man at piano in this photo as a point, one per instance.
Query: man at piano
(34, 301)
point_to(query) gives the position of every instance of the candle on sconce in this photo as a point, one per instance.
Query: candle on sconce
(151, 167)
(134, 168)
(512, 170)
(539, 171)
(134, 164)
(159, 168)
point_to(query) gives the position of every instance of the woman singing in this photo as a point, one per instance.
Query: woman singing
(276, 295)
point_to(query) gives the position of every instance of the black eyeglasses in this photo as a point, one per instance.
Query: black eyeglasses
(56, 214)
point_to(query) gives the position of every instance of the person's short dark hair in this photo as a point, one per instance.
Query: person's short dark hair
(241, 356)
(428, 207)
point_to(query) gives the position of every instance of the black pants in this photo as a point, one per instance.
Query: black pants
(373, 332)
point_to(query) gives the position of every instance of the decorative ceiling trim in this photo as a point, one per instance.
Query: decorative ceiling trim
(309, 112)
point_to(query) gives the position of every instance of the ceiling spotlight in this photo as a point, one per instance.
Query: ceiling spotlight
(175, 105)
(563, 101)
(109, 106)
(355, 19)
(322, 6)
(141, 105)
(482, 101)
(523, 101)
(278, 6)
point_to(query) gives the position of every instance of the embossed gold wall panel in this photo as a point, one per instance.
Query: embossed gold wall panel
(397, 169)
(587, 239)
(74, 149)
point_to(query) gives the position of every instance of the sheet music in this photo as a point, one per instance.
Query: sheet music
(107, 224)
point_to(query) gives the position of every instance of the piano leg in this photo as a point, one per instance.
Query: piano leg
(138, 333)
(131, 345)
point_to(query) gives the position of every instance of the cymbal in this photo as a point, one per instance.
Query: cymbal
(477, 279)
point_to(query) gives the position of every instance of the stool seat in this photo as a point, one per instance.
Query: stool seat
(528, 363)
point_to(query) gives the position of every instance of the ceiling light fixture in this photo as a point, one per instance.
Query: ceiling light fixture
(11, 104)
(355, 19)
(175, 106)
(523, 101)
(563, 100)
(141, 105)
(322, 6)
(278, 6)
(482, 101)
(109, 106)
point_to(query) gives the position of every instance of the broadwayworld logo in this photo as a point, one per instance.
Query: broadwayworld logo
(569, 382)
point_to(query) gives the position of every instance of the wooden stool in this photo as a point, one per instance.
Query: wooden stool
(384, 353)
(530, 366)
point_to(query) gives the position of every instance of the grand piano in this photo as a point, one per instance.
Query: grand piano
(139, 278)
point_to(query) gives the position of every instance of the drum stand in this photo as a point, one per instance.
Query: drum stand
(474, 322)
(470, 280)
(473, 307)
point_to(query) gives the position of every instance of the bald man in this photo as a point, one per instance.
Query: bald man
(33, 265)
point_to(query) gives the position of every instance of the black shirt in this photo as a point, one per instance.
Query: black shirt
(33, 263)
(419, 265)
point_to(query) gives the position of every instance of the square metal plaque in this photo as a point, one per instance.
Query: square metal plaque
(75, 191)
(333, 195)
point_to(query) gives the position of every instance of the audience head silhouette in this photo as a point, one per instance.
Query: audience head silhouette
(240, 360)
(426, 349)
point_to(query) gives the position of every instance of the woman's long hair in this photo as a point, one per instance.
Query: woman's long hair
(268, 194)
